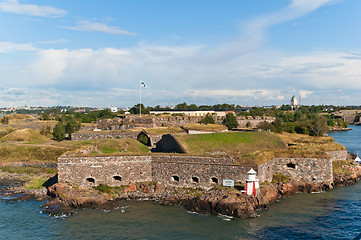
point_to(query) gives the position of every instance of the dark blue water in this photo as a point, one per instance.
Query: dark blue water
(329, 215)
(350, 139)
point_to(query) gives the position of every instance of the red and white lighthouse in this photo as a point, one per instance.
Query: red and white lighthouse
(252, 185)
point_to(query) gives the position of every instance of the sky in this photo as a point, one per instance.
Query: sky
(251, 52)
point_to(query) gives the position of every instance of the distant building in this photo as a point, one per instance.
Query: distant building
(82, 110)
(294, 104)
(193, 113)
(113, 109)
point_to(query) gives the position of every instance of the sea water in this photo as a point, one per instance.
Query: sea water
(334, 214)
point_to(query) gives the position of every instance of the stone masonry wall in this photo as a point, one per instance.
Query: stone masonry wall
(170, 121)
(100, 135)
(184, 171)
(304, 169)
(110, 170)
(337, 155)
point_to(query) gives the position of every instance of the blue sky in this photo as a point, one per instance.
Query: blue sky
(250, 52)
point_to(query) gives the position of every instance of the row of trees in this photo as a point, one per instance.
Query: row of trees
(230, 121)
(313, 124)
(64, 128)
(306, 120)
(293, 122)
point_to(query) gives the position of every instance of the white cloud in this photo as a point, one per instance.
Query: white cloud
(15, 47)
(88, 26)
(237, 72)
(255, 30)
(178, 74)
(305, 93)
(296, 9)
(13, 6)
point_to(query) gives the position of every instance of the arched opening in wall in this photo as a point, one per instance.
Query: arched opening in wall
(214, 180)
(195, 179)
(291, 165)
(118, 178)
(175, 178)
(90, 179)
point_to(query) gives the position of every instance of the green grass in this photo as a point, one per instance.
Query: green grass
(25, 135)
(123, 146)
(164, 130)
(28, 170)
(205, 127)
(233, 144)
(110, 190)
(36, 183)
(280, 178)
(340, 166)
(195, 192)
(26, 153)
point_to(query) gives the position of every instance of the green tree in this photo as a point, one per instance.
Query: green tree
(265, 126)
(59, 132)
(230, 121)
(318, 126)
(207, 119)
(181, 106)
(71, 126)
(46, 116)
(192, 107)
(4, 120)
(135, 109)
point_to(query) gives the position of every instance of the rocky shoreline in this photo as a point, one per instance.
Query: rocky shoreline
(64, 199)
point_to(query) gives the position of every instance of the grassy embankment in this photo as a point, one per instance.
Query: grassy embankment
(205, 127)
(22, 121)
(152, 131)
(257, 147)
(102, 147)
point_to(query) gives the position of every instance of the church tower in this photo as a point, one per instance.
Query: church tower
(293, 102)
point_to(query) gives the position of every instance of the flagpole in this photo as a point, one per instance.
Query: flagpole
(140, 99)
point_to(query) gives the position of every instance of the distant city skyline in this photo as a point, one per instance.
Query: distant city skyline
(96, 53)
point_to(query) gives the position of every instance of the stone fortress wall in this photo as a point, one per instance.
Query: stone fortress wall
(185, 171)
(77, 136)
(179, 170)
(109, 125)
(170, 121)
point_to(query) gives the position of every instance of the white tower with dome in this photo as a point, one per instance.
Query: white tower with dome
(294, 102)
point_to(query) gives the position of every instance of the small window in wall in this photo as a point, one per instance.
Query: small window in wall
(118, 178)
(175, 178)
(90, 179)
(291, 165)
(214, 180)
(195, 179)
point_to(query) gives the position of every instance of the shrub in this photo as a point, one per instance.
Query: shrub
(207, 119)
(46, 116)
(36, 183)
(143, 138)
(4, 120)
(230, 121)
(280, 178)
(45, 130)
(104, 189)
(59, 132)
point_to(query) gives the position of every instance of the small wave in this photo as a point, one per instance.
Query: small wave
(193, 213)
(225, 217)
(61, 216)
(123, 209)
